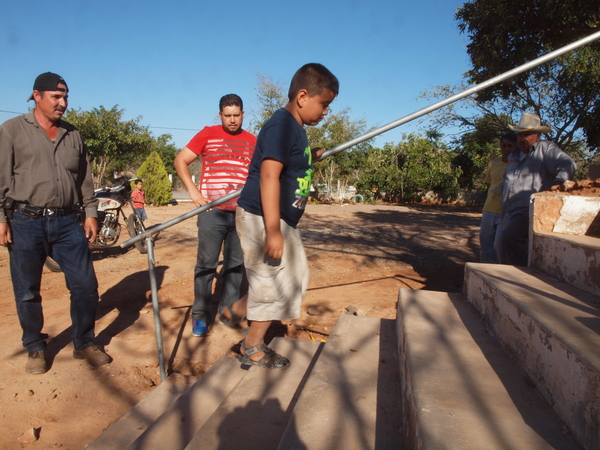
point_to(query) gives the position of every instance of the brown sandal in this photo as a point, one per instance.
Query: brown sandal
(271, 360)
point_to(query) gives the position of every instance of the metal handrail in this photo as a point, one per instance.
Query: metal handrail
(147, 235)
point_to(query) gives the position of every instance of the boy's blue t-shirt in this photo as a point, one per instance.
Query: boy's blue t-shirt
(282, 138)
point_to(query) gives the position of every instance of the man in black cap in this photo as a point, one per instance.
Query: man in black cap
(44, 173)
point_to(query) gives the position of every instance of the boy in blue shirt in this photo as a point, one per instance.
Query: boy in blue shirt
(270, 206)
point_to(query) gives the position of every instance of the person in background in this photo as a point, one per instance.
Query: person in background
(226, 151)
(44, 173)
(534, 166)
(139, 200)
(491, 218)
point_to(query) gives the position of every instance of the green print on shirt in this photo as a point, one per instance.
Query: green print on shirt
(304, 183)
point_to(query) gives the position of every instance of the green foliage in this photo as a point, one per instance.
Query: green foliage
(345, 166)
(167, 152)
(334, 130)
(156, 180)
(406, 171)
(271, 97)
(113, 143)
(505, 34)
(476, 148)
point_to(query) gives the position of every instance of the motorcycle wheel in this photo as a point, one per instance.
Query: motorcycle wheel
(134, 228)
(52, 265)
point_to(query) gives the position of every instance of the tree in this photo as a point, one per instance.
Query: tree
(334, 130)
(167, 152)
(112, 143)
(542, 96)
(156, 180)
(505, 34)
(270, 98)
(476, 148)
(404, 172)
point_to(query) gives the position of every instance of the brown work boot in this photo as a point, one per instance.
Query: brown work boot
(94, 355)
(36, 363)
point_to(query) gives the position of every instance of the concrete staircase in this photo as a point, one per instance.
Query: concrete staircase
(512, 363)
(342, 394)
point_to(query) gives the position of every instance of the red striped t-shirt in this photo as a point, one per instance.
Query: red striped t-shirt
(225, 161)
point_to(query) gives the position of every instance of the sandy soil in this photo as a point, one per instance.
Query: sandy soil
(359, 255)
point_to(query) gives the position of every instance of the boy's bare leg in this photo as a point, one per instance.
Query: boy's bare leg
(256, 336)
(239, 309)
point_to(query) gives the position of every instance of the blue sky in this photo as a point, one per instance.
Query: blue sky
(170, 62)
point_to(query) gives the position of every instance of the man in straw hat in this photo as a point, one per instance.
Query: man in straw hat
(534, 166)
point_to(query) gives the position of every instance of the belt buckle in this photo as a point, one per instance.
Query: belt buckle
(50, 212)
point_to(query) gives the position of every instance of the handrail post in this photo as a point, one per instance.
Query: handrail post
(156, 308)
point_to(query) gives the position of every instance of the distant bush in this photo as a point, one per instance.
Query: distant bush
(156, 180)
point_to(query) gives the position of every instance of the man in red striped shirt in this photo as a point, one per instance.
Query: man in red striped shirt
(226, 151)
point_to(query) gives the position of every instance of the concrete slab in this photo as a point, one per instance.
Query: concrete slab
(460, 389)
(351, 399)
(257, 410)
(552, 330)
(175, 428)
(561, 213)
(133, 423)
(572, 259)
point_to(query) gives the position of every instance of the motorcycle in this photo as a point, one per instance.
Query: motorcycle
(111, 200)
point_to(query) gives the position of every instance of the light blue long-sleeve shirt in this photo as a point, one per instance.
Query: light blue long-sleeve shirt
(544, 166)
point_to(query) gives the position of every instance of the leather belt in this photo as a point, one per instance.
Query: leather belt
(36, 211)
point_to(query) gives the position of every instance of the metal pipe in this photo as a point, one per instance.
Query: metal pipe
(156, 308)
(371, 134)
(176, 220)
(497, 79)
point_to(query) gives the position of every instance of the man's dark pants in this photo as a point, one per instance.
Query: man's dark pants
(64, 240)
(515, 239)
(216, 228)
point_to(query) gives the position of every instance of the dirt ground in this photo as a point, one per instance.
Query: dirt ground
(360, 255)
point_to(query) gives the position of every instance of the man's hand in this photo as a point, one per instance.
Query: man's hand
(198, 199)
(5, 236)
(91, 229)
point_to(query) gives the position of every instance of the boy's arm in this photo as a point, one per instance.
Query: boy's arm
(316, 153)
(270, 192)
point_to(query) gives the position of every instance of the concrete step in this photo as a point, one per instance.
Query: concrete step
(351, 399)
(177, 426)
(255, 413)
(570, 258)
(552, 330)
(125, 430)
(460, 389)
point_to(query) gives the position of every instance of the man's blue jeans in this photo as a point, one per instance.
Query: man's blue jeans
(216, 228)
(64, 240)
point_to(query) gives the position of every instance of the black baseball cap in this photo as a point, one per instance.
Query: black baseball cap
(48, 82)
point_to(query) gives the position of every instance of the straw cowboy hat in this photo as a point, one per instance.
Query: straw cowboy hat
(530, 122)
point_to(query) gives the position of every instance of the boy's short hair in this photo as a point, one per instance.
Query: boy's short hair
(315, 78)
(231, 100)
